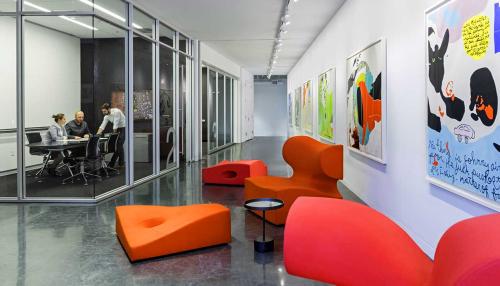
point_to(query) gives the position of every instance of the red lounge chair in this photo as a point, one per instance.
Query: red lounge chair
(346, 243)
(233, 172)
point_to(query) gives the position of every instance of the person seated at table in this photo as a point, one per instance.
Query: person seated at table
(56, 132)
(78, 127)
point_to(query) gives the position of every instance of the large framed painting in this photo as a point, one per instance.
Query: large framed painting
(307, 107)
(290, 109)
(462, 72)
(297, 107)
(326, 105)
(366, 101)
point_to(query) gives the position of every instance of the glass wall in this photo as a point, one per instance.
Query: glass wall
(217, 112)
(143, 101)
(221, 101)
(71, 70)
(97, 89)
(8, 122)
(185, 69)
(166, 116)
(212, 109)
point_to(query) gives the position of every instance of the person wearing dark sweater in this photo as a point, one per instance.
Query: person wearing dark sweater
(78, 128)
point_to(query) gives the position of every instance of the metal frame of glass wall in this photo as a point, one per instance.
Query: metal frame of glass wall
(129, 27)
(219, 92)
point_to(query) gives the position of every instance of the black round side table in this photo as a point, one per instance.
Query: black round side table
(263, 204)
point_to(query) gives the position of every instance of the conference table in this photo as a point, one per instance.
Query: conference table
(61, 146)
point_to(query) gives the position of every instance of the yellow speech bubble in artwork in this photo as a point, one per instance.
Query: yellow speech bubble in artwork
(476, 36)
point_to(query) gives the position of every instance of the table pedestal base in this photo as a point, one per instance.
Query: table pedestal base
(263, 245)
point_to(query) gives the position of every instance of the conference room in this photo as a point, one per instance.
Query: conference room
(71, 58)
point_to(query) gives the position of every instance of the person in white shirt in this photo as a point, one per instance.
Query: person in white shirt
(117, 118)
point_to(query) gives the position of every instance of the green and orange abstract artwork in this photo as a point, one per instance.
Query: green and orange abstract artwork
(326, 101)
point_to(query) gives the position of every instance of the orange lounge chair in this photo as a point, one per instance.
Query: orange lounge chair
(151, 231)
(316, 169)
(233, 172)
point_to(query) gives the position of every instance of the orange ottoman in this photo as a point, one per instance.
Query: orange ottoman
(151, 231)
(233, 173)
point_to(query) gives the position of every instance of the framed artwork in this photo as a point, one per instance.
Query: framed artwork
(326, 105)
(307, 107)
(462, 70)
(297, 108)
(290, 109)
(366, 101)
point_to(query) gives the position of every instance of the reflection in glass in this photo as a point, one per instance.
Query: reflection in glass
(167, 35)
(184, 90)
(71, 66)
(143, 108)
(204, 111)
(8, 142)
(167, 131)
(212, 109)
(8, 5)
(143, 23)
(220, 110)
(229, 109)
(183, 43)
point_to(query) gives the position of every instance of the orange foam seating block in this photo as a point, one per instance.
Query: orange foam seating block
(316, 169)
(152, 231)
(233, 172)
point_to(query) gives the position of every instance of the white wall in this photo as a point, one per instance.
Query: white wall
(398, 189)
(247, 106)
(270, 114)
(243, 96)
(52, 81)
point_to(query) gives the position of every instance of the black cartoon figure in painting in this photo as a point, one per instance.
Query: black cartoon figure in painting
(455, 107)
(433, 121)
(483, 96)
(496, 146)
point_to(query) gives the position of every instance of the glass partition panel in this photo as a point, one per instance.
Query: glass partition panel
(167, 35)
(143, 23)
(56, 5)
(72, 66)
(204, 111)
(220, 110)
(143, 107)
(229, 109)
(8, 5)
(184, 91)
(166, 116)
(212, 109)
(8, 89)
(112, 10)
(183, 43)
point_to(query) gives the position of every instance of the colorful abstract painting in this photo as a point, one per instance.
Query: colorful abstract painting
(290, 109)
(366, 101)
(463, 134)
(297, 107)
(307, 107)
(326, 101)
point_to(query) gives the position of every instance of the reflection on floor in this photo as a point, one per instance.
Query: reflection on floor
(76, 245)
(51, 186)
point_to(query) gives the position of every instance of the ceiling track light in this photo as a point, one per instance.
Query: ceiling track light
(284, 22)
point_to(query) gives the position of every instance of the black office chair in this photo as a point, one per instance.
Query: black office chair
(35, 137)
(92, 155)
(109, 148)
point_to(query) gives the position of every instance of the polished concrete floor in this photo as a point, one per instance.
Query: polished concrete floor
(43, 244)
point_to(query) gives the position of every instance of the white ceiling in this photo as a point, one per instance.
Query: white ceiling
(244, 30)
